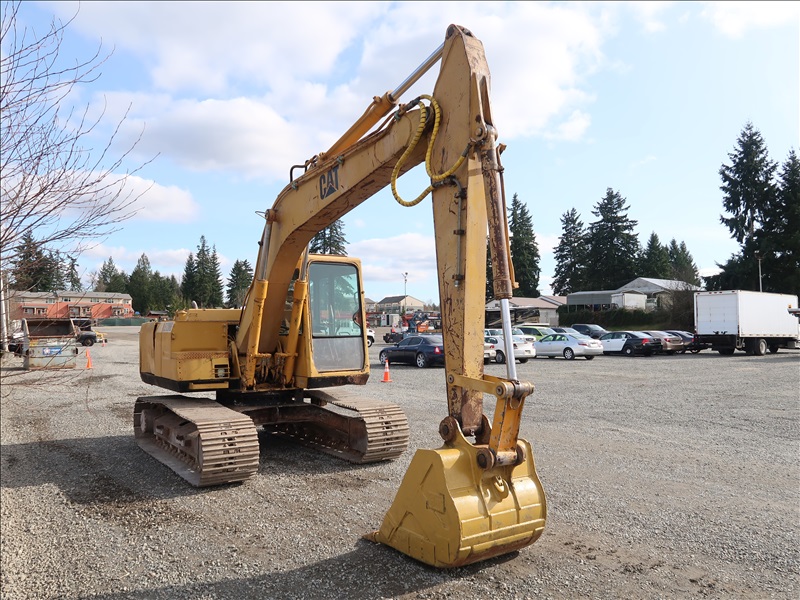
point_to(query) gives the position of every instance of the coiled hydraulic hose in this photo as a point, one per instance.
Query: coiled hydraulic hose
(417, 135)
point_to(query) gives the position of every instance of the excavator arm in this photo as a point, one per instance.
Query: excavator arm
(485, 491)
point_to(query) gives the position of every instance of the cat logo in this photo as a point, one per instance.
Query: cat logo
(329, 182)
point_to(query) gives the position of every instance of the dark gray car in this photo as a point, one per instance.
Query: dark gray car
(593, 331)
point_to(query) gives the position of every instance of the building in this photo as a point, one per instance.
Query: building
(539, 310)
(641, 293)
(399, 304)
(67, 304)
(658, 291)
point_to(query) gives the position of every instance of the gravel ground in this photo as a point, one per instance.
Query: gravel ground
(666, 477)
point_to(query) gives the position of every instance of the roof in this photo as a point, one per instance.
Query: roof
(77, 295)
(590, 297)
(652, 286)
(546, 302)
(400, 300)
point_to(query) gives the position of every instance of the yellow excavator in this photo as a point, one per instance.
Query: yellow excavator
(280, 362)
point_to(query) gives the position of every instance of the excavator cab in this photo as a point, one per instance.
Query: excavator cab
(338, 339)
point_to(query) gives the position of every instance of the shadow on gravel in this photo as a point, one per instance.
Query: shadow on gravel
(367, 572)
(114, 469)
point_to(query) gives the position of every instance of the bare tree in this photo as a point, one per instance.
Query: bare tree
(54, 185)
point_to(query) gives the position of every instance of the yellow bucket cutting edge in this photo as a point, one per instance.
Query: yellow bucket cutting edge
(450, 512)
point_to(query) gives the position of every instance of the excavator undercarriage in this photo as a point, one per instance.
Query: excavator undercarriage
(208, 443)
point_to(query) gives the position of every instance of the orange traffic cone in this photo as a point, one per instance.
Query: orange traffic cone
(88, 359)
(386, 377)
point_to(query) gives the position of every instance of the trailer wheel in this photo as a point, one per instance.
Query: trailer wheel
(773, 349)
(727, 351)
(760, 347)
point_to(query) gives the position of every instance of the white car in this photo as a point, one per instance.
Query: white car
(515, 331)
(569, 346)
(370, 337)
(489, 352)
(523, 350)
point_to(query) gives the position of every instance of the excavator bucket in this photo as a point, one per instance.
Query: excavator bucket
(450, 512)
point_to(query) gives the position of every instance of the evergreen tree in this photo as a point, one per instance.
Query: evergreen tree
(73, 278)
(165, 293)
(524, 250)
(779, 238)
(189, 287)
(215, 298)
(682, 265)
(330, 240)
(748, 193)
(735, 274)
(35, 269)
(203, 283)
(239, 281)
(140, 286)
(111, 279)
(747, 185)
(570, 255)
(202, 280)
(655, 260)
(613, 246)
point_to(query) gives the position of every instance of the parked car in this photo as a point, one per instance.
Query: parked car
(569, 346)
(568, 330)
(15, 343)
(515, 331)
(629, 343)
(594, 331)
(670, 343)
(690, 342)
(86, 338)
(523, 350)
(420, 350)
(370, 337)
(489, 352)
(536, 330)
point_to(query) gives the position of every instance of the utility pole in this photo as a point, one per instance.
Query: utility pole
(758, 258)
(405, 292)
(4, 317)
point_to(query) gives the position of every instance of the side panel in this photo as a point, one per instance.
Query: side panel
(716, 313)
(766, 315)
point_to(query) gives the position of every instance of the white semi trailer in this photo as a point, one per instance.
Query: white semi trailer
(755, 322)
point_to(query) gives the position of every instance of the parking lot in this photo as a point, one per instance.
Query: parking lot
(666, 477)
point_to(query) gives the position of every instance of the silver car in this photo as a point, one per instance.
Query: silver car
(569, 346)
(670, 342)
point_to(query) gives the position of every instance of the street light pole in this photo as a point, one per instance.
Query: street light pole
(405, 292)
(758, 258)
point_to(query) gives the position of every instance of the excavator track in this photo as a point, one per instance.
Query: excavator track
(201, 440)
(376, 431)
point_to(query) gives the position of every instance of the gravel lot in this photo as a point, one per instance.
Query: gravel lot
(666, 477)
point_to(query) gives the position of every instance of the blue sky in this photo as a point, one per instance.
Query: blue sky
(646, 98)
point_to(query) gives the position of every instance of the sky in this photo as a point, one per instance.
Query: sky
(645, 98)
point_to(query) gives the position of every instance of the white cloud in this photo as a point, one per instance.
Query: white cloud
(383, 265)
(210, 47)
(642, 161)
(734, 19)
(161, 203)
(306, 84)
